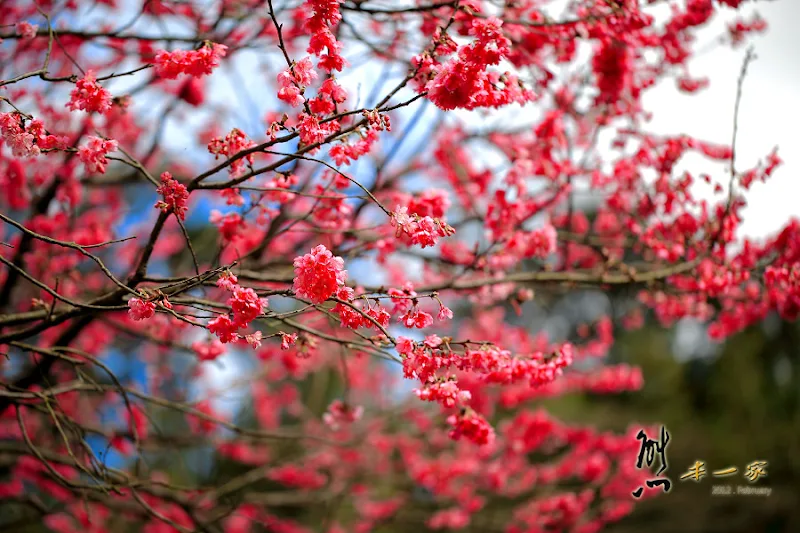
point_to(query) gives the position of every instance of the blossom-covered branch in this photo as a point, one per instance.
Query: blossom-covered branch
(307, 194)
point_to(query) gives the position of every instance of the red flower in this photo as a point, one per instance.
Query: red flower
(224, 328)
(175, 196)
(197, 63)
(318, 274)
(208, 351)
(89, 96)
(246, 305)
(141, 309)
(192, 92)
(472, 426)
(417, 319)
(93, 154)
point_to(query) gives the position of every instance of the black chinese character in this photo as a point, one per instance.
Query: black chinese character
(650, 446)
(660, 481)
(647, 454)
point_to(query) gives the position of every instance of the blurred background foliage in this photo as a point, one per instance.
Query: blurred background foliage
(730, 407)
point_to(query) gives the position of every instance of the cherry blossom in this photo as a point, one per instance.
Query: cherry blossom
(26, 30)
(141, 309)
(196, 63)
(381, 196)
(93, 154)
(318, 274)
(472, 426)
(89, 96)
(175, 196)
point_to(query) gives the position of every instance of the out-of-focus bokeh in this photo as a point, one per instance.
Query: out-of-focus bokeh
(728, 407)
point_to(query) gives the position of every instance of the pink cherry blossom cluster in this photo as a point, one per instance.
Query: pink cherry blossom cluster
(504, 217)
(89, 96)
(224, 328)
(471, 426)
(26, 30)
(294, 80)
(402, 299)
(422, 361)
(444, 392)
(538, 243)
(306, 478)
(377, 120)
(340, 414)
(208, 351)
(93, 154)
(345, 153)
(15, 185)
(783, 288)
(140, 309)
(416, 318)
(288, 340)
(236, 141)
(245, 306)
(192, 92)
(354, 315)
(333, 211)
(230, 225)
(739, 28)
(323, 43)
(318, 274)
(464, 82)
(329, 94)
(145, 308)
(175, 196)
(27, 139)
(423, 231)
(612, 66)
(313, 131)
(197, 63)
(612, 379)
